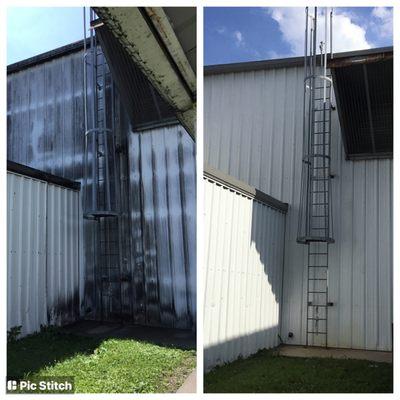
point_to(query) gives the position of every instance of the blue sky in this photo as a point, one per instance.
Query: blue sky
(35, 30)
(238, 34)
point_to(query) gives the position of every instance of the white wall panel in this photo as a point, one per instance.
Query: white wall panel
(253, 131)
(243, 274)
(43, 254)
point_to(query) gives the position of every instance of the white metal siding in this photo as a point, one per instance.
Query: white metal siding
(243, 282)
(253, 131)
(43, 254)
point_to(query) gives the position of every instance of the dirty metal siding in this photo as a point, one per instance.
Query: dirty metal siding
(163, 185)
(257, 137)
(45, 130)
(43, 254)
(243, 274)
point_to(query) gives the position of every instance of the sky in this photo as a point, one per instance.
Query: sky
(238, 34)
(35, 30)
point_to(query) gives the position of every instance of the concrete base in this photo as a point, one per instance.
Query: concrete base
(182, 339)
(189, 386)
(320, 352)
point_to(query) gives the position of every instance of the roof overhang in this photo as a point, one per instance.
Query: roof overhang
(162, 43)
(363, 86)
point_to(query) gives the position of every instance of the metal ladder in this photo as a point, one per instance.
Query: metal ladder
(315, 227)
(317, 294)
(102, 191)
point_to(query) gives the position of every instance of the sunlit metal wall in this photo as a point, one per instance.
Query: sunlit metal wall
(253, 131)
(243, 259)
(163, 185)
(43, 267)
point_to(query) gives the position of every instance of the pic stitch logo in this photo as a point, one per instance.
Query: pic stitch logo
(12, 385)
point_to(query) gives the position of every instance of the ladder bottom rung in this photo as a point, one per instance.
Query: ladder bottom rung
(317, 292)
(316, 333)
(317, 279)
(317, 319)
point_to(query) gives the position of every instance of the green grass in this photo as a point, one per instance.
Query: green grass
(100, 366)
(267, 373)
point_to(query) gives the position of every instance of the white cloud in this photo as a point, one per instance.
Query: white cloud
(347, 35)
(221, 30)
(384, 17)
(239, 40)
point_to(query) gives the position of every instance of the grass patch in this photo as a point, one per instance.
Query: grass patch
(100, 366)
(267, 373)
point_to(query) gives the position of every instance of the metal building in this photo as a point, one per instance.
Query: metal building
(140, 267)
(257, 138)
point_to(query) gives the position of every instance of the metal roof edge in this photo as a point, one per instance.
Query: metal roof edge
(49, 55)
(283, 62)
(243, 188)
(41, 175)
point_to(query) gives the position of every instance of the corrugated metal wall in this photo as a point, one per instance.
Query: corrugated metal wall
(163, 184)
(243, 274)
(43, 254)
(257, 137)
(46, 130)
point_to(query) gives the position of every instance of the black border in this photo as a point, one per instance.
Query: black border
(229, 181)
(41, 175)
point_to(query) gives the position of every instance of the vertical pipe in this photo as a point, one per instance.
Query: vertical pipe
(85, 161)
(93, 115)
(84, 70)
(305, 143)
(325, 51)
(331, 39)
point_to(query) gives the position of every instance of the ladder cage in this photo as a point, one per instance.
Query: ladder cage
(315, 215)
(102, 190)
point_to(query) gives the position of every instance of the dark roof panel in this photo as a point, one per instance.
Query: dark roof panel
(141, 101)
(364, 96)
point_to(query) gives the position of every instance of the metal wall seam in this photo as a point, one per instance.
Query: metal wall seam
(43, 257)
(243, 276)
(256, 137)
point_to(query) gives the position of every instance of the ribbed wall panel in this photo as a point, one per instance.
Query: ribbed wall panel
(164, 234)
(243, 274)
(45, 130)
(43, 254)
(253, 131)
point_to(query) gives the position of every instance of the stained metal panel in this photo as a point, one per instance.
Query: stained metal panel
(43, 254)
(45, 131)
(253, 131)
(163, 185)
(243, 274)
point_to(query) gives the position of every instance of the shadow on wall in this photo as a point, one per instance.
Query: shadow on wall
(244, 274)
(239, 347)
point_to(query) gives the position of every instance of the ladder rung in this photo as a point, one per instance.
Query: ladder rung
(317, 319)
(317, 292)
(317, 279)
(319, 204)
(318, 254)
(317, 266)
(316, 333)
